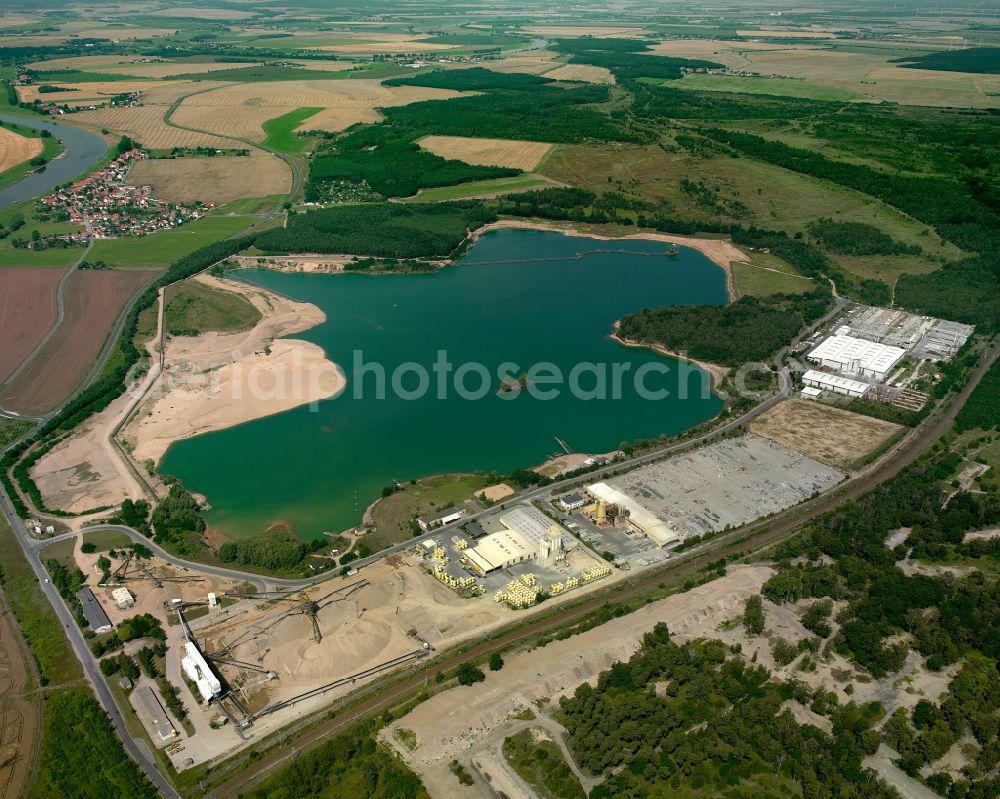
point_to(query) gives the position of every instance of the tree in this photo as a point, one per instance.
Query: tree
(753, 615)
(468, 674)
(496, 661)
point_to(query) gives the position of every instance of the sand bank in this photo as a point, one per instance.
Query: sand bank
(215, 381)
(720, 252)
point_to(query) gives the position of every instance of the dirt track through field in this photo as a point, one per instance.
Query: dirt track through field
(94, 299)
(20, 716)
(16, 149)
(27, 311)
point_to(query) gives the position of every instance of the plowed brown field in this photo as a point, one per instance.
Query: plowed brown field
(27, 311)
(93, 301)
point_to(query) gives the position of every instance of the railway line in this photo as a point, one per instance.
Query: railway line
(376, 698)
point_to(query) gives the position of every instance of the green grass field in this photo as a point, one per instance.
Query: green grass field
(280, 131)
(194, 308)
(61, 551)
(161, 249)
(778, 87)
(11, 429)
(104, 540)
(480, 187)
(767, 274)
(393, 514)
(10, 256)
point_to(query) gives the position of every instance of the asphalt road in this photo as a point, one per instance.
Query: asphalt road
(377, 698)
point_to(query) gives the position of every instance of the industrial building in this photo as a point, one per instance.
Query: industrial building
(529, 534)
(570, 502)
(200, 673)
(823, 381)
(123, 598)
(441, 518)
(636, 517)
(93, 612)
(856, 356)
(924, 336)
(154, 712)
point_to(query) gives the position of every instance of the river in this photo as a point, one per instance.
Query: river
(319, 468)
(82, 150)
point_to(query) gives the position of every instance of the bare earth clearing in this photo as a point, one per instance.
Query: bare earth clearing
(214, 381)
(16, 149)
(221, 179)
(524, 155)
(832, 436)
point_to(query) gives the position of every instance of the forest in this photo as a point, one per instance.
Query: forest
(394, 167)
(858, 238)
(750, 329)
(347, 766)
(982, 409)
(982, 60)
(386, 230)
(717, 729)
(946, 619)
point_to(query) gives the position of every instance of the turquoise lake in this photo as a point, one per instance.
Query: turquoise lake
(505, 301)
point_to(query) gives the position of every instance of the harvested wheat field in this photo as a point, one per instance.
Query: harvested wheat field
(27, 311)
(337, 119)
(93, 301)
(201, 13)
(145, 125)
(534, 64)
(168, 70)
(240, 109)
(219, 180)
(582, 72)
(86, 93)
(83, 62)
(832, 436)
(16, 149)
(524, 155)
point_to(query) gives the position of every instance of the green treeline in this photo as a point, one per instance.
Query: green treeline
(966, 291)
(983, 60)
(627, 59)
(555, 115)
(982, 409)
(395, 167)
(718, 729)
(81, 756)
(272, 551)
(347, 766)
(476, 79)
(386, 230)
(858, 238)
(750, 329)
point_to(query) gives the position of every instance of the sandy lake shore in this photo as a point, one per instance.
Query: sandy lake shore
(720, 252)
(214, 381)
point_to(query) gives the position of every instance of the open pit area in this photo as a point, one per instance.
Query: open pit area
(836, 437)
(727, 484)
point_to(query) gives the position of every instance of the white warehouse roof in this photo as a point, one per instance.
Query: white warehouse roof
(650, 524)
(857, 355)
(841, 385)
(200, 673)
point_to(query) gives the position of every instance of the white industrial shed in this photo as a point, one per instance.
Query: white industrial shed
(200, 673)
(641, 519)
(856, 356)
(834, 384)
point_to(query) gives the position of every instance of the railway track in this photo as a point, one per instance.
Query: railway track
(377, 698)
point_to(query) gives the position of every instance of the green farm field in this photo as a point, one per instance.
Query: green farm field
(777, 87)
(161, 249)
(280, 131)
(481, 188)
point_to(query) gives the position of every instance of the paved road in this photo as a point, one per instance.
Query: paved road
(379, 697)
(138, 750)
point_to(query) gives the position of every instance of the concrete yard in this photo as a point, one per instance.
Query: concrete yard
(727, 484)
